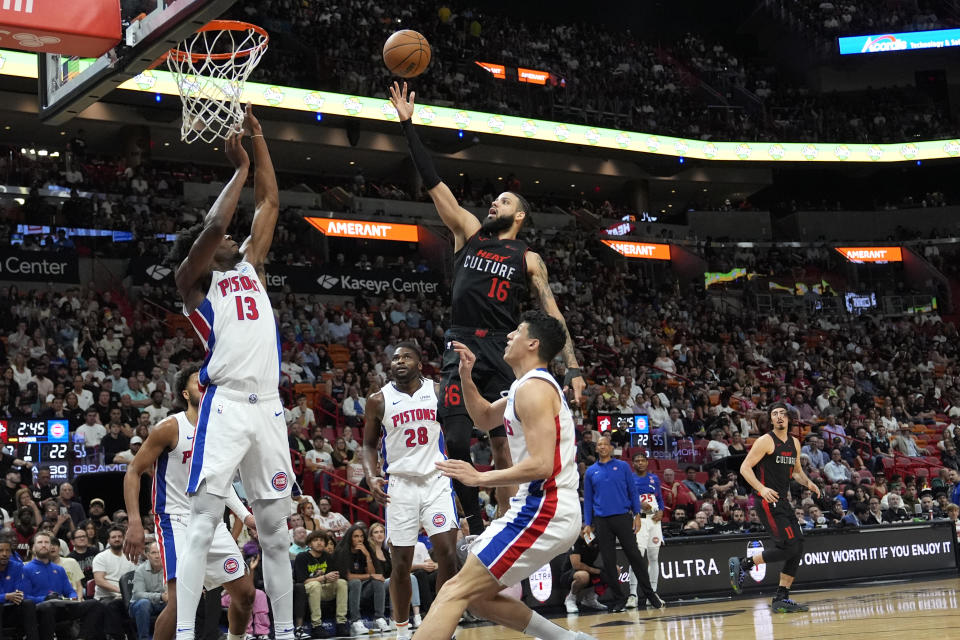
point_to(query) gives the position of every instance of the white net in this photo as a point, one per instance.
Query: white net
(211, 68)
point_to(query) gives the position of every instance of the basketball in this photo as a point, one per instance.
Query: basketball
(406, 53)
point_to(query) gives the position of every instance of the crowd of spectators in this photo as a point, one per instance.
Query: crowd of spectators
(693, 87)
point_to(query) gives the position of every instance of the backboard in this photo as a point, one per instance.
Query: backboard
(68, 84)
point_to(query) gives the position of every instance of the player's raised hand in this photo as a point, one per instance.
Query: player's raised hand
(467, 358)
(376, 490)
(133, 541)
(462, 471)
(251, 126)
(401, 101)
(236, 154)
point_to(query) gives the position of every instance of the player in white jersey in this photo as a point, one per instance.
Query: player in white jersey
(544, 517)
(240, 425)
(402, 419)
(166, 453)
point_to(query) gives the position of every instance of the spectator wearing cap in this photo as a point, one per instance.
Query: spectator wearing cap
(126, 457)
(101, 521)
(116, 378)
(905, 443)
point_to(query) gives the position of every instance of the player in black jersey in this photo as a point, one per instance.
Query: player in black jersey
(494, 272)
(776, 455)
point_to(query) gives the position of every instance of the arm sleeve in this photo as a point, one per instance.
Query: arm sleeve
(587, 499)
(421, 158)
(235, 504)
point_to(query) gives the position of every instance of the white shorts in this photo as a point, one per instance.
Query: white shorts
(245, 432)
(419, 501)
(536, 529)
(224, 560)
(650, 534)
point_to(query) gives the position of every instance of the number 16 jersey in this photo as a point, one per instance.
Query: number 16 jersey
(412, 440)
(236, 325)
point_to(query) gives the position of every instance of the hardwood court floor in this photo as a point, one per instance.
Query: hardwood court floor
(889, 610)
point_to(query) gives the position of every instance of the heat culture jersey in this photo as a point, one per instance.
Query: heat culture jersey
(776, 468)
(489, 283)
(236, 324)
(411, 438)
(171, 472)
(564, 475)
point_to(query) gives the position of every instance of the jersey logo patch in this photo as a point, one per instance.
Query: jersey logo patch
(279, 481)
(439, 520)
(231, 565)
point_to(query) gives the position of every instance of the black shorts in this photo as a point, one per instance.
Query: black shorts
(491, 374)
(780, 521)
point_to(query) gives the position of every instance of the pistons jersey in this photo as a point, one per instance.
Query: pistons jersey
(236, 324)
(171, 472)
(489, 283)
(411, 438)
(564, 474)
(648, 488)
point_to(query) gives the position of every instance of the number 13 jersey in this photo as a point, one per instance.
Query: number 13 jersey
(236, 325)
(411, 438)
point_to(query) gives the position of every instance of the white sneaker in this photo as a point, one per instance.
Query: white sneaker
(591, 602)
(416, 621)
(570, 602)
(357, 628)
(382, 625)
(632, 602)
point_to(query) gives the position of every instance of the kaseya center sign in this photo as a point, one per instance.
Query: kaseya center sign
(365, 229)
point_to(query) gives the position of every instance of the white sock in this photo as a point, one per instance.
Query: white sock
(282, 630)
(540, 627)
(184, 631)
(231, 636)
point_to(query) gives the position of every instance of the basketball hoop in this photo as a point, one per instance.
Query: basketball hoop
(211, 68)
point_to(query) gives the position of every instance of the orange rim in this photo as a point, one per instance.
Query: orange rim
(218, 25)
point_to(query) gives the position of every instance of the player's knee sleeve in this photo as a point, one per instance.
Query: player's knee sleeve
(794, 551)
(271, 518)
(457, 430)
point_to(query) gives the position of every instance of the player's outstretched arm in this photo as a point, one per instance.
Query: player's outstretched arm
(164, 436)
(265, 194)
(235, 504)
(485, 415)
(461, 222)
(197, 263)
(537, 405)
(372, 417)
(540, 288)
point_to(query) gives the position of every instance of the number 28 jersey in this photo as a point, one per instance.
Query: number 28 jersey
(411, 438)
(236, 325)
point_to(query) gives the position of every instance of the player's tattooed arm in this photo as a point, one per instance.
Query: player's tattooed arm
(540, 289)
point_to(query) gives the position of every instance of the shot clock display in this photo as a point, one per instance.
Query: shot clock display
(46, 443)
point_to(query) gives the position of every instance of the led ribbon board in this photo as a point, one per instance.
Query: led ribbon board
(642, 250)
(892, 42)
(365, 230)
(21, 64)
(871, 254)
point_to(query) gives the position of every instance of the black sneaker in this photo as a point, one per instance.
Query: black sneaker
(656, 601)
(319, 632)
(736, 574)
(343, 630)
(786, 605)
(617, 606)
